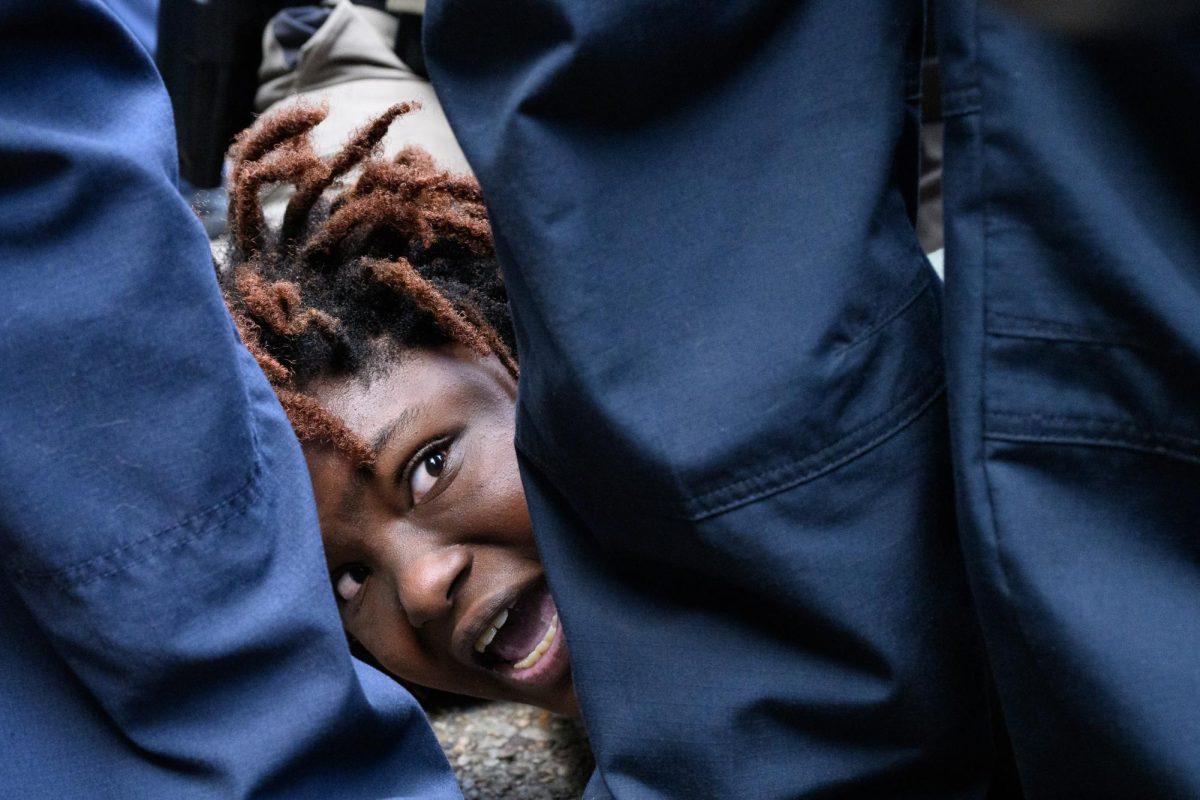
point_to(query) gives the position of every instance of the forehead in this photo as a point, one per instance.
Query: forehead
(403, 389)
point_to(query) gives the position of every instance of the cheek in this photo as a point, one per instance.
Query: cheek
(511, 510)
(393, 643)
(495, 499)
(399, 653)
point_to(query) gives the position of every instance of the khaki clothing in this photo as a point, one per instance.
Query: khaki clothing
(349, 64)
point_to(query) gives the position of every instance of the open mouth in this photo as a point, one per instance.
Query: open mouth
(525, 640)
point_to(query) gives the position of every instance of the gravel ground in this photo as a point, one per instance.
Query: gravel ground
(507, 751)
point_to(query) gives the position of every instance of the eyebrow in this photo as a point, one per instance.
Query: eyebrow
(403, 420)
(349, 507)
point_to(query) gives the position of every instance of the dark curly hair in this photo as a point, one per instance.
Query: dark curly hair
(399, 257)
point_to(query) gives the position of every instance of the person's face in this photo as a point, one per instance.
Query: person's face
(431, 554)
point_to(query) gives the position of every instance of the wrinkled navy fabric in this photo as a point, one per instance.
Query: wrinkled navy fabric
(731, 422)
(1073, 303)
(168, 629)
(731, 419)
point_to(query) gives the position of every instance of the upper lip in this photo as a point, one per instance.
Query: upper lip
(480, 615)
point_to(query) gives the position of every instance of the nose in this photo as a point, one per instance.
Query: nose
(430, 581)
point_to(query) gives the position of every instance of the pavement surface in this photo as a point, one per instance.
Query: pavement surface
(508, 751)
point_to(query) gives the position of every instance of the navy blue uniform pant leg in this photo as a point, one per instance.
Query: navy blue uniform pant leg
(1073, 301)
(731, 420)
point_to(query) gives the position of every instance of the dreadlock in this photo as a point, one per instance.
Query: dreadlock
(400, 257)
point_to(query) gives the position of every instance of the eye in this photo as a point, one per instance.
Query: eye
(349, 581)
(425, 474)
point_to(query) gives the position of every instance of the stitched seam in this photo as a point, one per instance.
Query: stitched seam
(81, 573)
(819, 463)
(1097, 423)
(1091, 440)
(205, 519)
(1027, 327)
(813, 465)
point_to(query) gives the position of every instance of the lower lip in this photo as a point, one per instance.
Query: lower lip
(549, 668)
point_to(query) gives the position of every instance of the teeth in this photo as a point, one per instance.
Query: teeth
(536, 655)
(485, 639)
(489, 632)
